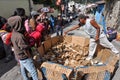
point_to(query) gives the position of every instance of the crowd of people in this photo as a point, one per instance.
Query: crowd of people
(20, 33)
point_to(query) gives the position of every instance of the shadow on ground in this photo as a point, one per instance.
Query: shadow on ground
(5, 67)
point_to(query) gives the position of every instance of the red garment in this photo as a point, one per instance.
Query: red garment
(37, 34)
(8, 38)
(40, 27)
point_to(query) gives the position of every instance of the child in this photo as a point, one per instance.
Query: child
(111, 34)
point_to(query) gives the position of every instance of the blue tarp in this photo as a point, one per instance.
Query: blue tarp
(99, 17)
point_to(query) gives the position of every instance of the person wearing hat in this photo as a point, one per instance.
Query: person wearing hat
(32, 22)
(96, 33)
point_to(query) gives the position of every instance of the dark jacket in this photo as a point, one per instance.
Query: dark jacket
(59, 22)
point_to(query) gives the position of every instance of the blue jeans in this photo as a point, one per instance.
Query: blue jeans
(28, 65)
(59, 28)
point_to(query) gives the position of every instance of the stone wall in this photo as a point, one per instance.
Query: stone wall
(112, 14)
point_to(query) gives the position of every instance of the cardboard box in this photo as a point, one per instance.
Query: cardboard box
(40, 76)
(102, 75)
(47, 44)
(118, 37)
(67, 39)
(53, 69)
(82, 41)
(41, 50)
(55, 40)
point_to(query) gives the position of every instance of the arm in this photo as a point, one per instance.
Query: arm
(40, 16)
(71, 29)
(22, 43)
(23, 46)
(94, 24)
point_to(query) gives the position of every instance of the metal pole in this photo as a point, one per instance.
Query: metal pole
(86, 2)
(30, 8)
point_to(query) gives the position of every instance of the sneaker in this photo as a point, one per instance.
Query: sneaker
(96, 62)
(89, 58)
(93, 62)
(100, 63)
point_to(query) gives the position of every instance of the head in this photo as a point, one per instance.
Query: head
(51, 15)
(59, 17)
(108, 28)
(3, 21)
(8, 28)
(20, 11)
(34, 14)
(16, 23)
(82, 19)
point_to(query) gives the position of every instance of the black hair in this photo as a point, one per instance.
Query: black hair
(82, 16)
(52, 16)
(8, 28)
(20, 11)
(2, 21)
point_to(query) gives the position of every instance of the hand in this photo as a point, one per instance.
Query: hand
(65, 33)
(62, 27)
(97, 39)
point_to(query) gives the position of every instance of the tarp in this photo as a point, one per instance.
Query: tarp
(99, 17)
